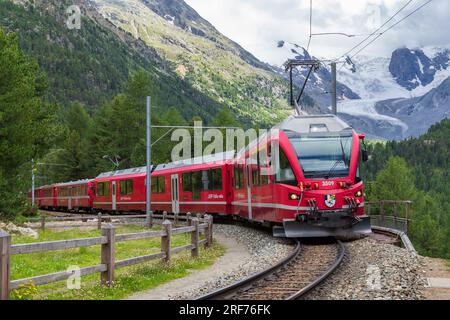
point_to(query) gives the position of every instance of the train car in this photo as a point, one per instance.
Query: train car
(193, 185)
(121, 190)
(312, 186)
(47, 197)
(196, 185)
(74, 196)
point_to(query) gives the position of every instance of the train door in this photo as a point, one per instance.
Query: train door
(114, 198)
(249, 189)
(175, 194)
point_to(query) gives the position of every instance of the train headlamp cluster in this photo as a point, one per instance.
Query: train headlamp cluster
(358, 194)
(293, 196)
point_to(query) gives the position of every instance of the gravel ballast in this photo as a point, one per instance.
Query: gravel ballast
(373, 271)
(264, 251)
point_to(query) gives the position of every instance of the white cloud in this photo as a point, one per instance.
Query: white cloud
(258, 24)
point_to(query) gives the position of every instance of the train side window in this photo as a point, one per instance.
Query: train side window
(236, 177)
(103, 189)
(126, 187)
(285, 174)
(155, 185)
(100, 189)
(239, 177)
(187, 183)
(255, 177)
(206, 180)
(215, 178)
(159, 184)
(196, 179)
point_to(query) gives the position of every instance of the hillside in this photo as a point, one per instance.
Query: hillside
(428, 157)
(193, 66)
(92, 64)
(201, 56)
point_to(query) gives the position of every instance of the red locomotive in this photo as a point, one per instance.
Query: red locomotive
(305, 181)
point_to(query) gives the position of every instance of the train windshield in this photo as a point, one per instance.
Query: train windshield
(323, 156)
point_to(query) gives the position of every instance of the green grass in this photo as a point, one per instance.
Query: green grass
(127, 281)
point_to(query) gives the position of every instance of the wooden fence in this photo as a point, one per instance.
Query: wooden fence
(386, 214)
(149, 220)
(107, 240)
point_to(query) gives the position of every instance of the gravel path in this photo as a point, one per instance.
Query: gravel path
(373, 271)
(247, 251)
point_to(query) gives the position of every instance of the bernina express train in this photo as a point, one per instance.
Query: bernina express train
(304, 181)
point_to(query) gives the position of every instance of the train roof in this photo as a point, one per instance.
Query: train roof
(314, 124)
(72, 183)
(124, 172)
(219, 157)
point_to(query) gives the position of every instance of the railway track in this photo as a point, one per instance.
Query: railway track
(305, 268)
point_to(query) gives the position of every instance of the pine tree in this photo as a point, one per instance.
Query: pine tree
(27, 124)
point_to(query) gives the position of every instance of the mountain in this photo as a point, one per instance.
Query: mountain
(413, 68)
(193, 66)
(421, 112)
(401, 96)
(202, 56)
(92, 64)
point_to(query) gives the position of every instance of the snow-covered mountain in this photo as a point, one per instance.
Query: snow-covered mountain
(401, 96)
(397, 76)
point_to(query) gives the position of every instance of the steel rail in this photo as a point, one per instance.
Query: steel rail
(323, 276)
(229, 290)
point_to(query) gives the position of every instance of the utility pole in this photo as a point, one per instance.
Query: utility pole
(32, 182)
(333, 88)
(149, 157)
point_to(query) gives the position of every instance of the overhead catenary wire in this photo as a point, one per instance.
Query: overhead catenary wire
(392, 26)
(376, 31)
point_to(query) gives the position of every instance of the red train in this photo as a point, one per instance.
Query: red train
(305, 181)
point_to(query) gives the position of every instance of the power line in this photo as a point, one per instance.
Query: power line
(373, 33)
(339, 33)
(392, 26)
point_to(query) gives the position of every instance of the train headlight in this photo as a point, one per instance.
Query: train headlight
(293, 196)
(358, 194)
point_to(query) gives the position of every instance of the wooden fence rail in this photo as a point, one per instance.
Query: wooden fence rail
(108, 262)
(149, 221)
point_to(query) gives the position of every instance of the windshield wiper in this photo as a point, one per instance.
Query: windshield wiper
(337, 161)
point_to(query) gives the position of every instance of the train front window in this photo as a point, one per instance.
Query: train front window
(323, 156)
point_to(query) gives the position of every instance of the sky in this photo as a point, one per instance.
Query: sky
(258, 25)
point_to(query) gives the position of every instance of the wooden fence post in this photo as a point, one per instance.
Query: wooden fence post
(99, 221)
(43, 222)
(206, 220)
(195, 235)
(210, 231)
(108, 255)
(5, 258)
(188, 218)
(166, 241)
(175, 222)
(164, 216)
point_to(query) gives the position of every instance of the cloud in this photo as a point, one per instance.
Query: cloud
(258, 24)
